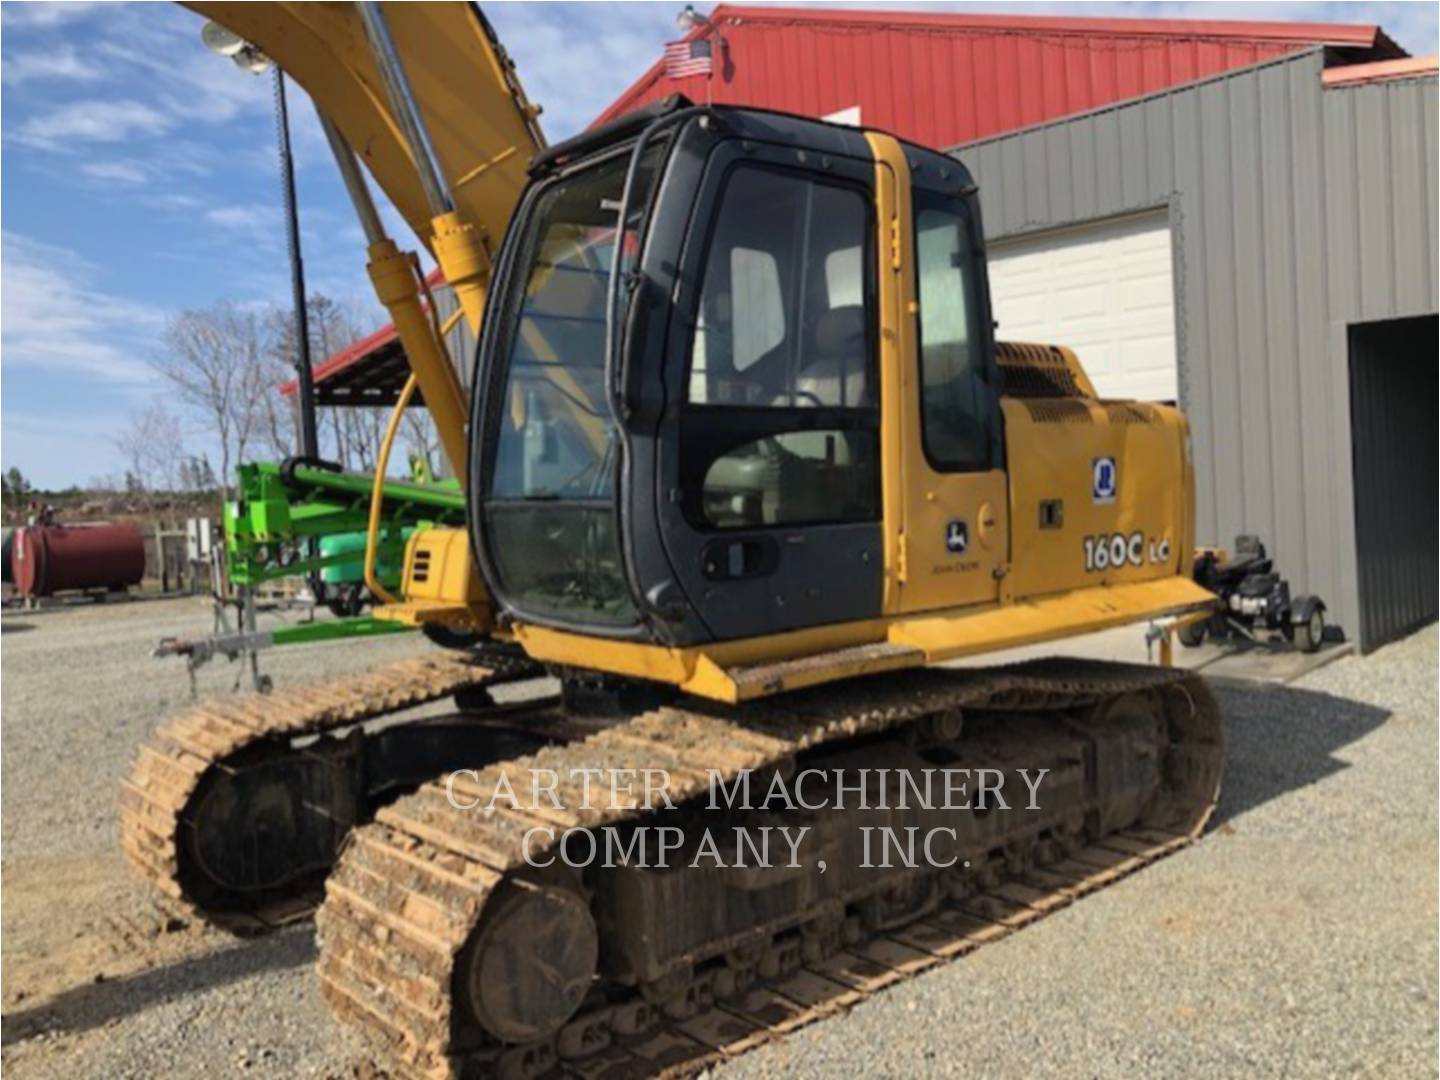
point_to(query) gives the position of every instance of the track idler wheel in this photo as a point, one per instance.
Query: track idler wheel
(254, 829)
(527, 969)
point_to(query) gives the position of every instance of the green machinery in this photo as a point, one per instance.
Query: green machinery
(305, 518)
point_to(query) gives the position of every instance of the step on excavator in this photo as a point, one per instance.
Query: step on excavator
(744, 467)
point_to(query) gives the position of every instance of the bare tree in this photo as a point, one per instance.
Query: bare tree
(212, 359)
(349, 435)
(227, 363)
(363, 429)
(153, 448)
(279, 416)
(421, 439)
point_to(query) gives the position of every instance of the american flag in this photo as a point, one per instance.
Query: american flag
(684, 58)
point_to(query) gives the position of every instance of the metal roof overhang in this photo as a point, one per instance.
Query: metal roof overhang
(371, 372)
(1413, 67)
(1347, 36)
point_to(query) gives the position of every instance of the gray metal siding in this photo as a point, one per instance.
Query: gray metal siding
(459, 342)
(1295, 211)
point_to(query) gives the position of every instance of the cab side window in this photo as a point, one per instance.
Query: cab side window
(782, 312)
(956, 399)
(781, 424)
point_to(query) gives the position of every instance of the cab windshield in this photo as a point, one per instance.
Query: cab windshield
(553, 535)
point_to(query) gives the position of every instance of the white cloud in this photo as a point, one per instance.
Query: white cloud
(47, 14)
(54, 318)
(169, 81)
(58, 64)
(171, 200)
(207, 88)
(116, 172)
(187, 81)
(252, 217)
(93, 121)
(574, 60)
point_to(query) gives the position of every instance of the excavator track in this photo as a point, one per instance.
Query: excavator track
(216, 741)
(433, 916)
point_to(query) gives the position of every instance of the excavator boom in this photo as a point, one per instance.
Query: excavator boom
(427, 98)
(481, 127)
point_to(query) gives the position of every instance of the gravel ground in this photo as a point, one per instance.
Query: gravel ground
(79, 693)
(1298, 938)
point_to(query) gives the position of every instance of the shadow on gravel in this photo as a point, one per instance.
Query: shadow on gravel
(7, 626)
(1279, 739)
(95, 1004)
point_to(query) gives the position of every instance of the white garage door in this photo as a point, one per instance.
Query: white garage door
(1106, 291)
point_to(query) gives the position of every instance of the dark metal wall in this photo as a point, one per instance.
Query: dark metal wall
(1393, 391)
(1295, 211)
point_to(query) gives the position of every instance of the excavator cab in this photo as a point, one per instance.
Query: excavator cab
(678, 434)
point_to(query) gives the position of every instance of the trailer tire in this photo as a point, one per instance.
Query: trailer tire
(1191, 634)
(1310, 634)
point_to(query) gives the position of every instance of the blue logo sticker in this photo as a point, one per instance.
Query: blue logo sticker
(957, 537)
(1103, 480)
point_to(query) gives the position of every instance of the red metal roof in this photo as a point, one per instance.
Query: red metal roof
(332, 367)
(1411, 67)
(944, 79)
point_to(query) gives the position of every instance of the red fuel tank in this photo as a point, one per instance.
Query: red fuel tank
(46, 559)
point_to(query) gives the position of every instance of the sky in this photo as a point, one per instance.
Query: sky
(139, 178)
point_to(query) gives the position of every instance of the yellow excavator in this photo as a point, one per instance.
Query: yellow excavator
(744, 466)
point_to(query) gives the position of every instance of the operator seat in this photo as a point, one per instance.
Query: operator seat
(839, 374)
(796, 475)
(811, 467)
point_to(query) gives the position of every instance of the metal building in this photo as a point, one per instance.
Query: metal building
(1283, 220)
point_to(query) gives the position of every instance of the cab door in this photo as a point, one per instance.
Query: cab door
(945, 476)
(769, 448)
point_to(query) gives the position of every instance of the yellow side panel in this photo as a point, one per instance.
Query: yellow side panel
(950, 636)
(440, 583)
(681, 666)
(923, 507)
(937, 577)
(438, 566)
(757, 667)
(896, 304)
(1054, 448)
(1187, 542)
(635, 660)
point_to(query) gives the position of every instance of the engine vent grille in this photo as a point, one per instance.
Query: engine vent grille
(420, 565)
(1038, 371)
(1058, 411)
(1130, 412)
